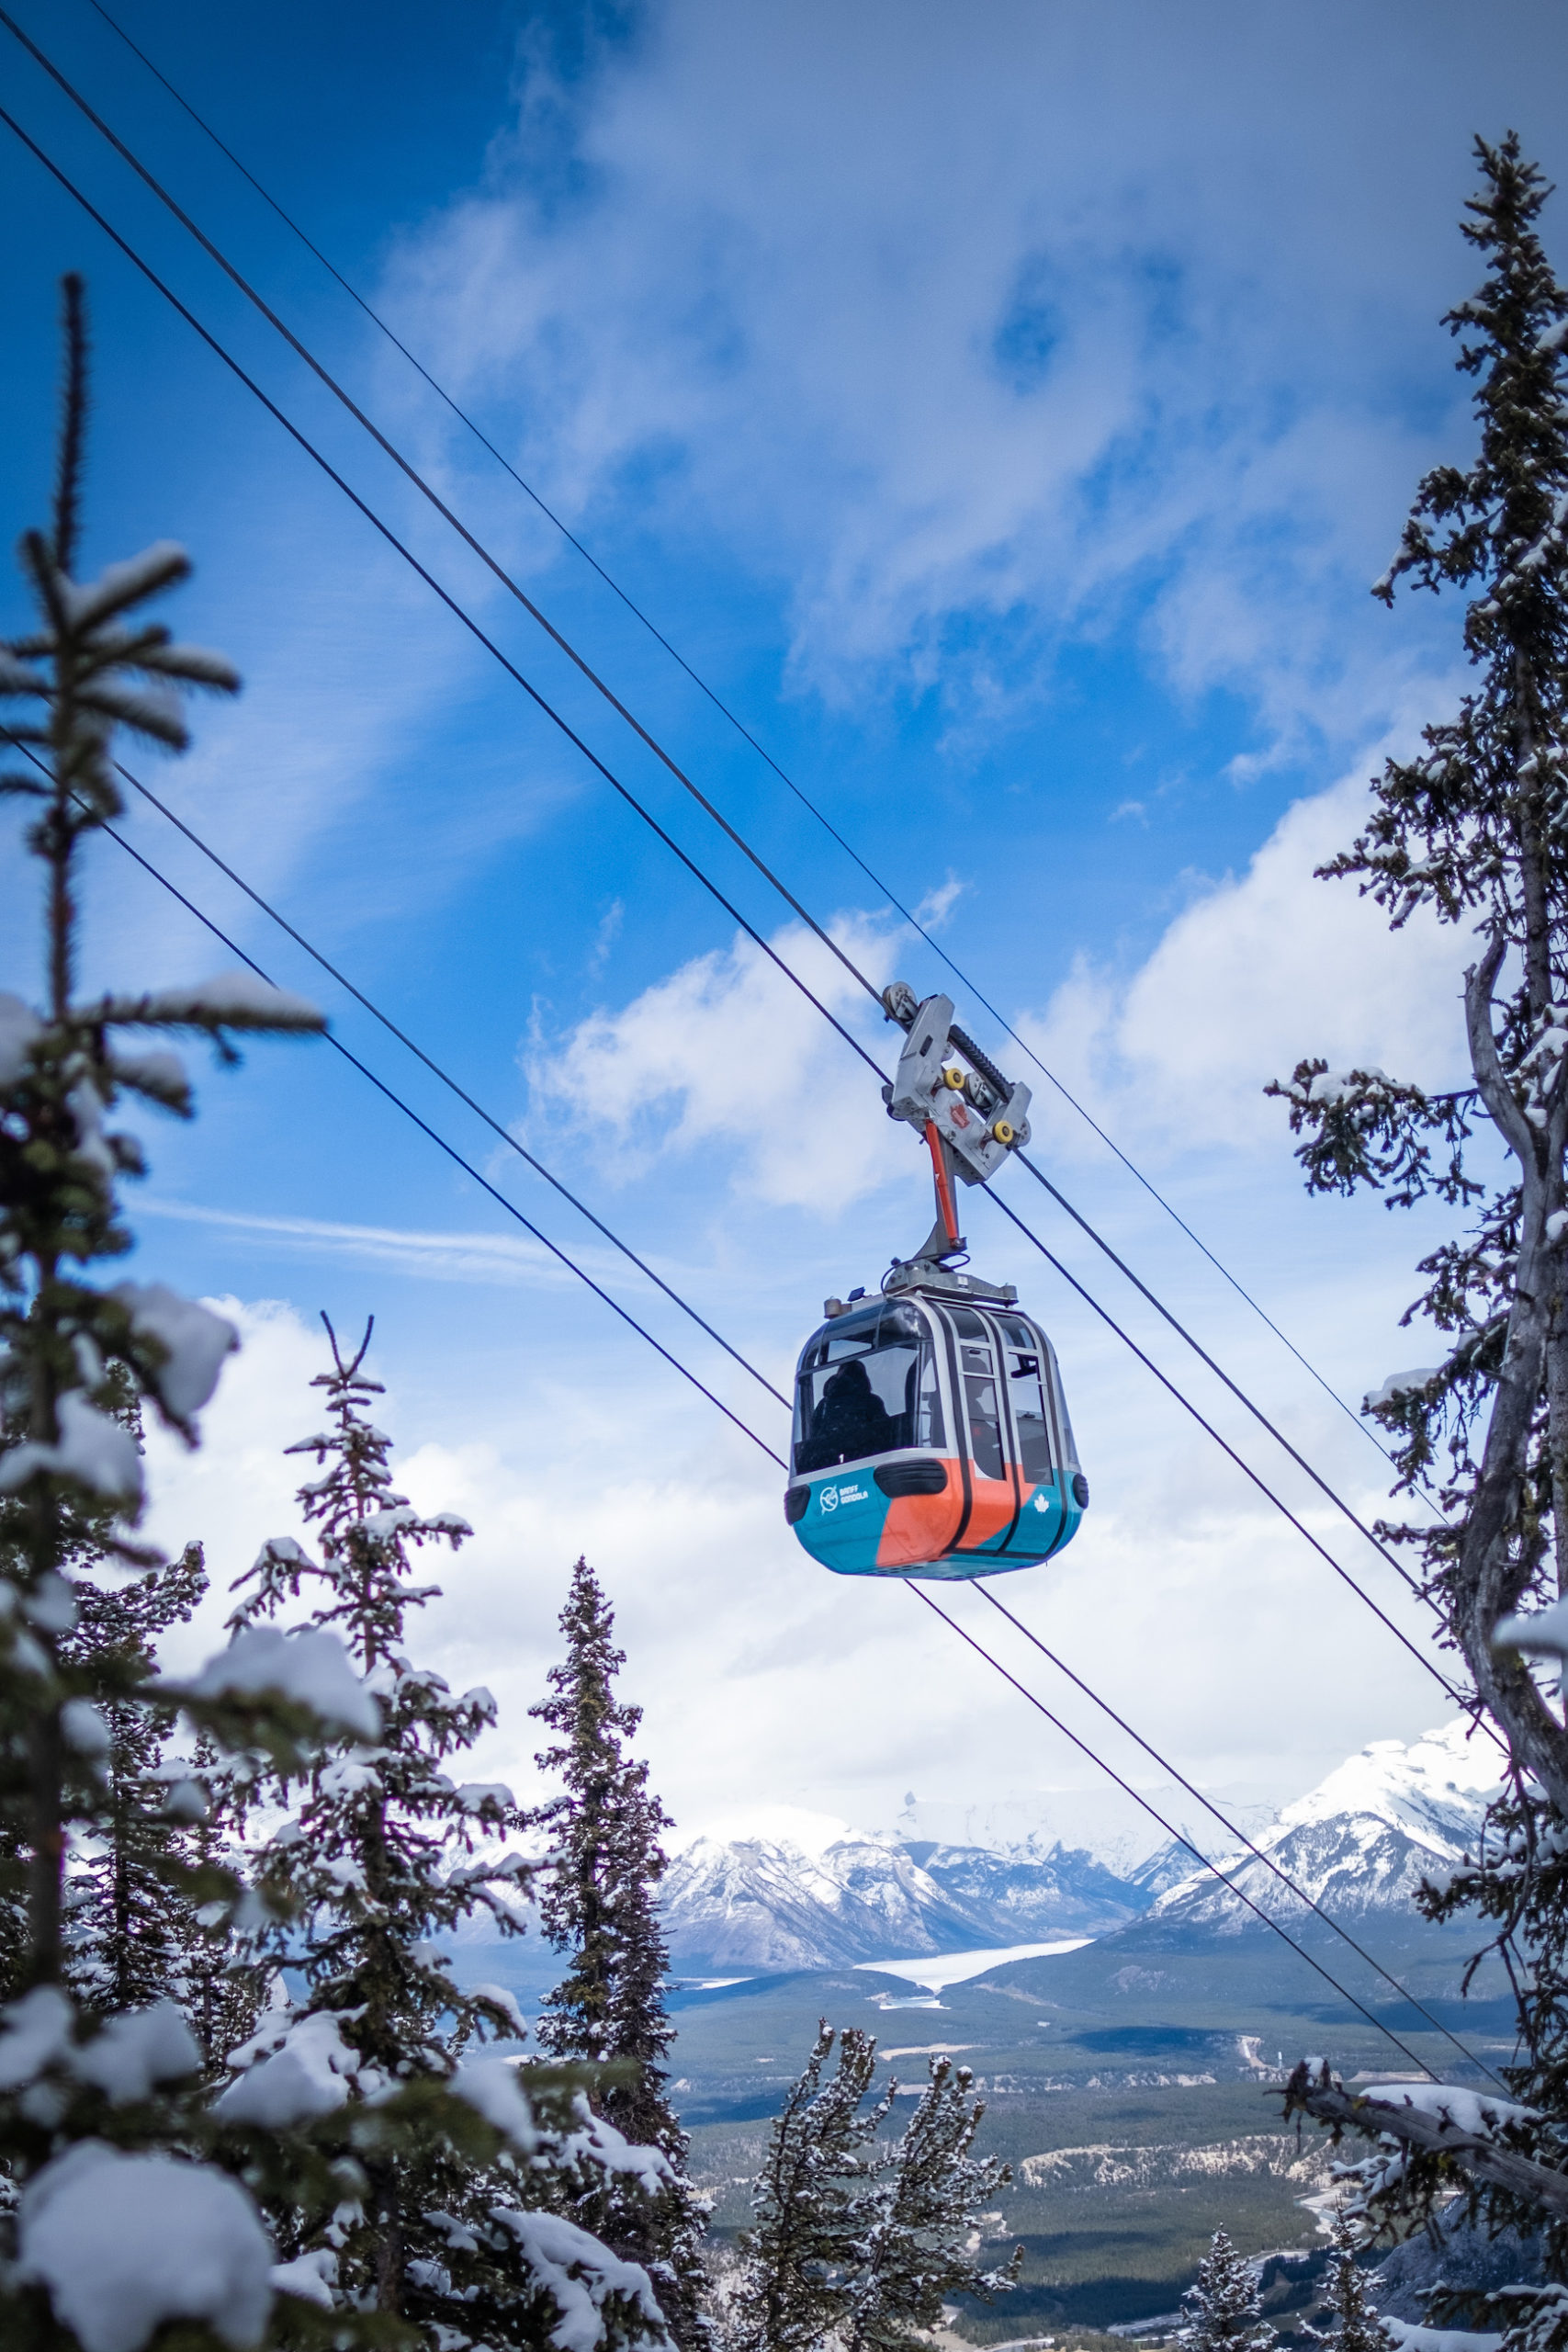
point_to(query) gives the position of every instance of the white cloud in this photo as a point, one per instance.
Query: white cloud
(968, 331)
(942, 320)
(1258, 971)
(727, 1051)
(768, 1683)
(484, 1258)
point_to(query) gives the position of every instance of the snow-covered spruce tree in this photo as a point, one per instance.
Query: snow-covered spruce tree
(597, 1903)
(921, 2246)
(1221, 2307)
(112, 2229)
(132, 1935)
(127, 2212)
(442, 2223)
(1475, 830)
(227, 1988)
(816, 2201)
(139, 1885)
(1353, 2324)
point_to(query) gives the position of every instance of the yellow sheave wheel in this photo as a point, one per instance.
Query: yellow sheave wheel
(954, 1079)
(1004, 1131)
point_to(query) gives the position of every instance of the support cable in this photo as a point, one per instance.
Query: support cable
(1220, 1374)
(476, 547)
(425, 1129)
(460, 612)
(413, 474)
(466, 1166)
(774, 881)
(495, 1125)
(1171, 1831)
(1242, 1464)
(826, 940)
(1258, 1852)
(451, 603)
(733, 719)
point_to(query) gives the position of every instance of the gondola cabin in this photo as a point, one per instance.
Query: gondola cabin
(931, 1439)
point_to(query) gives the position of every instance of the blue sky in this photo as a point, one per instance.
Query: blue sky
(1006, 414)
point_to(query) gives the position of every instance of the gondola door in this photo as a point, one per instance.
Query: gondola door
(987, 1436)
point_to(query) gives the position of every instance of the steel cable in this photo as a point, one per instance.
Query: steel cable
(1242, 1464)
(733, 719)
(1259, 1415)
(494, 1125)
(460, 612)
(1175, 1834)
(399, 1103)
(470, 1171)
(600, 686)
(391, 1094)
(1231, 1828)
(451, 603)
(413, 474)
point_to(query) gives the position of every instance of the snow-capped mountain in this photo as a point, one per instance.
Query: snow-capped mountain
(759, 1903)
(806, 1892)
(1363, 1839)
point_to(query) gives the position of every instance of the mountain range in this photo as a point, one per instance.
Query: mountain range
(1363, 1841)
(1360, 1842)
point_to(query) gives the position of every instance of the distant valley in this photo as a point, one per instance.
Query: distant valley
(1128, 2079)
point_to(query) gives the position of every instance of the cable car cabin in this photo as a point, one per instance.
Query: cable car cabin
(931, 1439)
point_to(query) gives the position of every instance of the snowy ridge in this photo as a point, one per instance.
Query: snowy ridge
(1364, 1838)
(768, 1903)
(801, 1892)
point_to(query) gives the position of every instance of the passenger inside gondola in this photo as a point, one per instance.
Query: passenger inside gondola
(852, 1418)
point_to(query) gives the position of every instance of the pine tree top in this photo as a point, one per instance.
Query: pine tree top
(365, 1527)
(383, 1852)
(1224, 2311)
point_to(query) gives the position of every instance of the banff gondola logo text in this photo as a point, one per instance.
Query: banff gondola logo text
(830, 1498)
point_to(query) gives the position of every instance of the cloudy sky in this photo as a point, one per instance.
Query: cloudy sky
(1004, 411)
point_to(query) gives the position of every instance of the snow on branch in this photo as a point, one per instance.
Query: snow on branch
(1363, 1127)
(1543, 1635)
(1400, 1385)
(308, 1666)
(229, 1000)
(491, 2087)
(127, 2243)
(579, 2276)
(1462, 2126)
(87, 604)
(291, 2071)
(94, 1449)
(192, 1340)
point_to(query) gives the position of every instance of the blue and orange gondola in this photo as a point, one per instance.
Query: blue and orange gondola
(932, 1436)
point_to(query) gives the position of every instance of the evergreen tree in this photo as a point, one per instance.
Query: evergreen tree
(132, 1935)
(1224, 2312)
(380, 1863)
(597, 1903)
(1354, 2325)
(117, 2221)
(1474, 830)
(226, 1989)
(817, 2203)
(130, 2211)
(857, 2241)
(920, 2248)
